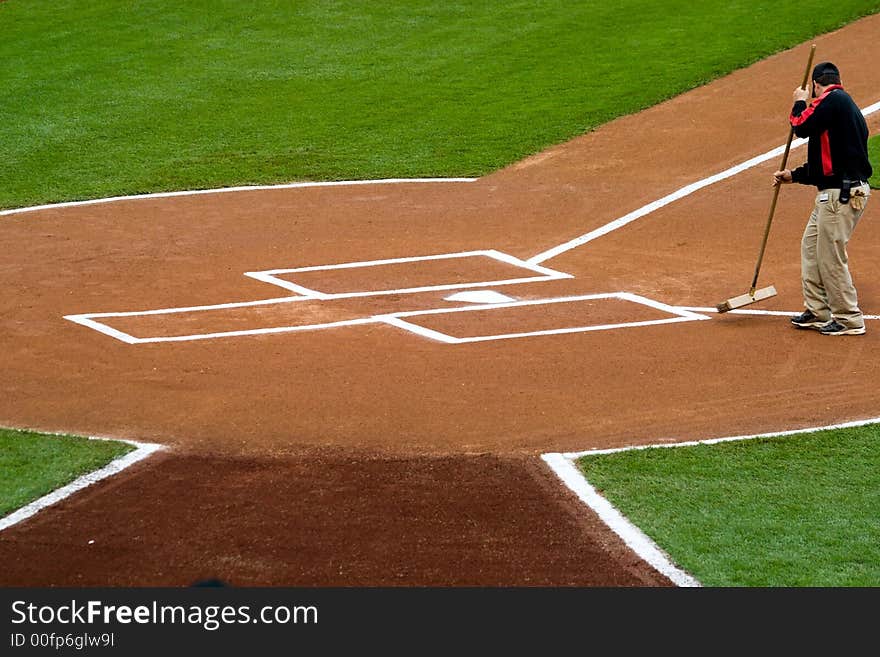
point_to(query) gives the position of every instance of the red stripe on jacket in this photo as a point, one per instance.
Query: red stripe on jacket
(807, 113)
(827, 168)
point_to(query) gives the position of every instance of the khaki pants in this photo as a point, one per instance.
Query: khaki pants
(828, 288)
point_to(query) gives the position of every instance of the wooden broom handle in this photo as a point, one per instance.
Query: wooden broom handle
(778, 185)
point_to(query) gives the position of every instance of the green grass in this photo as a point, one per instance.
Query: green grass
(106, 97)
(874, 154)
(793, 511)
(34, 464)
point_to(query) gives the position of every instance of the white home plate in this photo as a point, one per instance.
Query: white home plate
(479, 296)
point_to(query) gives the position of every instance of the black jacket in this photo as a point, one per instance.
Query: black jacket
(838, 140)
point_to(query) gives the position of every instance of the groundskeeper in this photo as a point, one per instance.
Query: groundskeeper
(837, 165)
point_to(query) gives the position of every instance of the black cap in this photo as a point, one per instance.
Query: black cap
(824, 67)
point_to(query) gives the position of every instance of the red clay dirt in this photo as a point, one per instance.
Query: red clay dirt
(369, 455)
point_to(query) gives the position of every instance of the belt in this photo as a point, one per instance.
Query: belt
(846, 187)
(850, 184)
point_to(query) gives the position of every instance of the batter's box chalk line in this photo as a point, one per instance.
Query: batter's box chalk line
(532, 273)
(409, 320)
(400, 319)
(537, 273)
(403, 320)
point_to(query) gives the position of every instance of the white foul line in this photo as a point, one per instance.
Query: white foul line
(142, 451)
(634, 538)
(674, 196)
(779, 313)
(563, 465)
(243, 188)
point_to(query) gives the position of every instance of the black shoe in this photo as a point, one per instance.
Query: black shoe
(808, 320)
(836, 328)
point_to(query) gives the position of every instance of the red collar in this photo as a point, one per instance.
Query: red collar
(827, 91)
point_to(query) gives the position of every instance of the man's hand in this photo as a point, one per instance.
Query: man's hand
(801, 94)
(782, 177)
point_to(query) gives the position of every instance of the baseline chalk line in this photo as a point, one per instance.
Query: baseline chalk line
(141, 451)
(242, 188)
(563, 465)
(687, 190)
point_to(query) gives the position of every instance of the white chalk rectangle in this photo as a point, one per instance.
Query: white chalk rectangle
(448, 271)
(537, 317)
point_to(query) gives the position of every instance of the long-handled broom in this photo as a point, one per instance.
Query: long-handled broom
(754, 295)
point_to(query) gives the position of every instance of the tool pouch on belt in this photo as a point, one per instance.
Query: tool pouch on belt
(844, 191)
